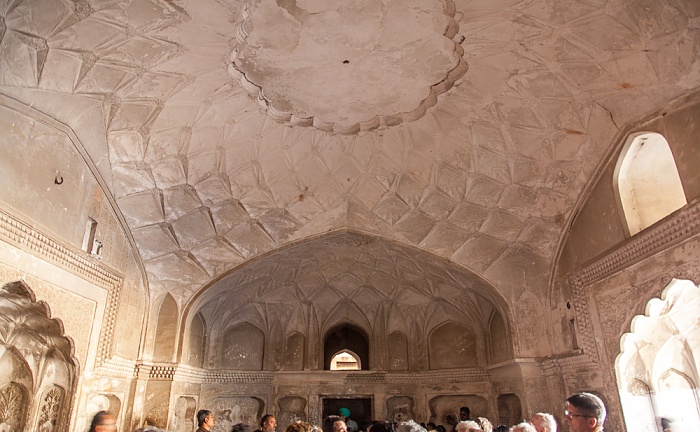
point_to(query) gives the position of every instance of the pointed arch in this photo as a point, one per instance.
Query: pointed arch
(646, 181)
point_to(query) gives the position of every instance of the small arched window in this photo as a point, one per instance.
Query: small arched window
(346, 360)
(647, 181)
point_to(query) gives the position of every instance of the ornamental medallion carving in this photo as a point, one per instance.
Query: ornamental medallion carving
(347, 66)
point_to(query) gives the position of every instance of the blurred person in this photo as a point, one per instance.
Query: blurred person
(523, 427)
(351, 424)
(334, 423)
(103, 421)
(468, 426)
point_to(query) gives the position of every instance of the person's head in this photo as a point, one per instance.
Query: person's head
(430, 426)
(468, 426)
(485, 424)
(268, 423)
(344, 412)
(385, 426)
(584, 412)
(103, 422)
(440, 428)
(149, 429)
(240, 427)
(205, 419)
(523, 427)
(334, 423)
(409, 426)
(298, 426)
(501, 428)
(544, 422)
(464, 413)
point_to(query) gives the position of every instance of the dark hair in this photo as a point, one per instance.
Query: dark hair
(264, 419)
(590, 405)
(501, 428)
(466, 410)
(240, 427)
(385, 426)
(431, 424)
(440, 428)
(98, 419)
(329, 422)
(202, 417)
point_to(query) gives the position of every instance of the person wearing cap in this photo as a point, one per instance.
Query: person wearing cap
(351, 424)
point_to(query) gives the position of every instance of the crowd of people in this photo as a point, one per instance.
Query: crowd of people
(584, 412)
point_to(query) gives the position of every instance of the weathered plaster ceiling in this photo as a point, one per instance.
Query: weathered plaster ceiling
(487, 178)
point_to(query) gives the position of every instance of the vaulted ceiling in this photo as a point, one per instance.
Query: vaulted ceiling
(226, 129)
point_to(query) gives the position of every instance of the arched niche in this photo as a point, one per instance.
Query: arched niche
(294, 349)
(197, 341)
(185, 414)
(52, 400)
(452, 345)
(291, 409)
(345, 338)
(242, 347)
(647, 182)
(657, 368)
(397, 347)
(499, 344)
(510, 410)
(166, 330)
(445, 409)
(400, 408)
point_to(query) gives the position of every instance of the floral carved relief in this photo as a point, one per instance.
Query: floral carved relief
(50, 409)
(13, 406)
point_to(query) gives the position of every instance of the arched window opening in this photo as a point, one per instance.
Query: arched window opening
(647, 181)
(346, 339)
(346, 360)
(656, 370)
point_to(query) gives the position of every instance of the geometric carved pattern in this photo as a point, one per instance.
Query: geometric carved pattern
(33, 241)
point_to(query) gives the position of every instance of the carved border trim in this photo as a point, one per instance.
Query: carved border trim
(680, 226)
(25, 237)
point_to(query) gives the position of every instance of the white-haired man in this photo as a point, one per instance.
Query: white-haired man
(544, 422)
(468, 426)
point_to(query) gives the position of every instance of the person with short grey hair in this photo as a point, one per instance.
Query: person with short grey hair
(544, 422)
(468, 426)
(410, 426)
(523, 427)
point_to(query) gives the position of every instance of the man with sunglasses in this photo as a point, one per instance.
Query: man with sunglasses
(585, 412)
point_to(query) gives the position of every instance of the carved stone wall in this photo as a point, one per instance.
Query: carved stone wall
(37, 363)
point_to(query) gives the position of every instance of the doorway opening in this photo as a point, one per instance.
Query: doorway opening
(360, 408)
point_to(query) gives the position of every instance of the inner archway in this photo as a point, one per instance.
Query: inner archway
(657, 369)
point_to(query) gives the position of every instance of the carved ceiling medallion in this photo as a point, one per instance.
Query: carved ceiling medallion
(347, 66)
